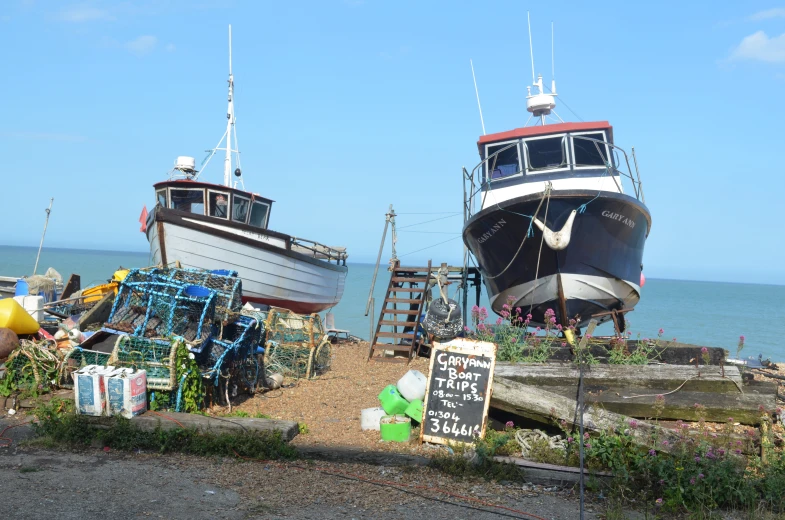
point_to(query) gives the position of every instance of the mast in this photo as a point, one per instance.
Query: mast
(230, 120)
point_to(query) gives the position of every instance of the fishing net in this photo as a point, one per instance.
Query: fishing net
(288, 360)
(159, 309)
(77, 358)
(156, 357)
(235, 343)
(297, 345)
(31, 367)
(288, 328)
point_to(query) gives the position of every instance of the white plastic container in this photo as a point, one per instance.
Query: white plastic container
(370, 418)
(34, 305)
(126, 392)
(412, 385)
(90, 389)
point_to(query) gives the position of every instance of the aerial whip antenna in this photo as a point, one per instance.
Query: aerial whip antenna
(531, 48)
(41, 245)
(477, 93)
(553, 66)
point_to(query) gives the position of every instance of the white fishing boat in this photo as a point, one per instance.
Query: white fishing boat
(220, 226)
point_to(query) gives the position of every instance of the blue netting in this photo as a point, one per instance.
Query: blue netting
(237, 342)
(160, 309)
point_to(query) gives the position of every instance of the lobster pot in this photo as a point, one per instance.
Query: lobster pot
(158, 309)
(236, 342)
(285, 327)
(126, 392)
(77, 359)
(90, 390)
(156, 358)
(289, 360)
(225, 284)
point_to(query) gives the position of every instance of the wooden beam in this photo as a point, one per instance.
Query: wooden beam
(541, 405)
(744, 408)
(73, 284)
(707, 379)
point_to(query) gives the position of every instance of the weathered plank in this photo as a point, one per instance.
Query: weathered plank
(670, 352)
(743, 407)
(705, 379)
(166, 420)
(541, 405)
(73, 284)
(99, 313)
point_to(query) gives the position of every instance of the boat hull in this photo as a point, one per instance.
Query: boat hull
(598, 271)
(272, 274)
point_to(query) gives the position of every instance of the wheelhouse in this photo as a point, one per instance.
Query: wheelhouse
(212, 200)
(568, 155)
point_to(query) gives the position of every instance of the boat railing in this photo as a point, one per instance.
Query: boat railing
(477, 181)
(320, 251)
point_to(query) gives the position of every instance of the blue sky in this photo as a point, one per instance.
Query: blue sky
(346, 106)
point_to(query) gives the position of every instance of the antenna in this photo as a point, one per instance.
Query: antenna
(477, 93)
(230, 122)
(531, 48)
(553, 66)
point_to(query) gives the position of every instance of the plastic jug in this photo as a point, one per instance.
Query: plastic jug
(370, 418)
(34, 305)
(392, 400)
(396, 428)
(13, 316)
(412, 385)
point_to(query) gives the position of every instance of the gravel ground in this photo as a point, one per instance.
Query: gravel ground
(38, 483)
(330, 405)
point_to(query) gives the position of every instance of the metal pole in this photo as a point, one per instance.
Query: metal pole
(41, 245)
(389, 215)
(638, 174)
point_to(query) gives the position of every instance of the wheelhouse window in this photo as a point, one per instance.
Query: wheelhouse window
(160, 197)
(259, 214)
(503, 160)
(240, 207)
(546, 153)
(588, 151)
(190, 200)
(219, 204)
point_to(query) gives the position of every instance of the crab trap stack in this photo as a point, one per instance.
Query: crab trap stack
(160, 310)
(296, 345)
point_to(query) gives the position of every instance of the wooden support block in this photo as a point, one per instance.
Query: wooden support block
(707, 379)
(534, 402)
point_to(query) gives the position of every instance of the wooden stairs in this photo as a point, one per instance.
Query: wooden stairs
(400, 316)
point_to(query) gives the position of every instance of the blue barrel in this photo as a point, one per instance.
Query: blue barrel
(22, 289)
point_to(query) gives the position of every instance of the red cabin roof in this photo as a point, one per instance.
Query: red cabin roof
(557, 128)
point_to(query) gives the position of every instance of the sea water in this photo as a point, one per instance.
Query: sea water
(704, 313)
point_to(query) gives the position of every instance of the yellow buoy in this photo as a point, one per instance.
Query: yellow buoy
(570, 336)
(13, 316)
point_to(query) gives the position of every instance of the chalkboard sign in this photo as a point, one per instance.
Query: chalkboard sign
(458, 391)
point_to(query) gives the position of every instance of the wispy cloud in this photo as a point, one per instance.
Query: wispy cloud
(84, 13)
(142, 45)
(170, 47)
(759, 47)
(44, 136)
(776, 12)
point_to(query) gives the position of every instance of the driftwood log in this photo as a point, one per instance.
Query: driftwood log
(632, 390)
(541, 405)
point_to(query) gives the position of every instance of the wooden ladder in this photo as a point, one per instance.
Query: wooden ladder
(408, 285)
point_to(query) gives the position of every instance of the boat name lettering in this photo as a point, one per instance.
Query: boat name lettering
(618, 216)
(492, 231)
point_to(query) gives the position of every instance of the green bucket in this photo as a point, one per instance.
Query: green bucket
(414, 410)
(392, 400)
(395, 428)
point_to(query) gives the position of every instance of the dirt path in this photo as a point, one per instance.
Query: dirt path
(94, 484)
